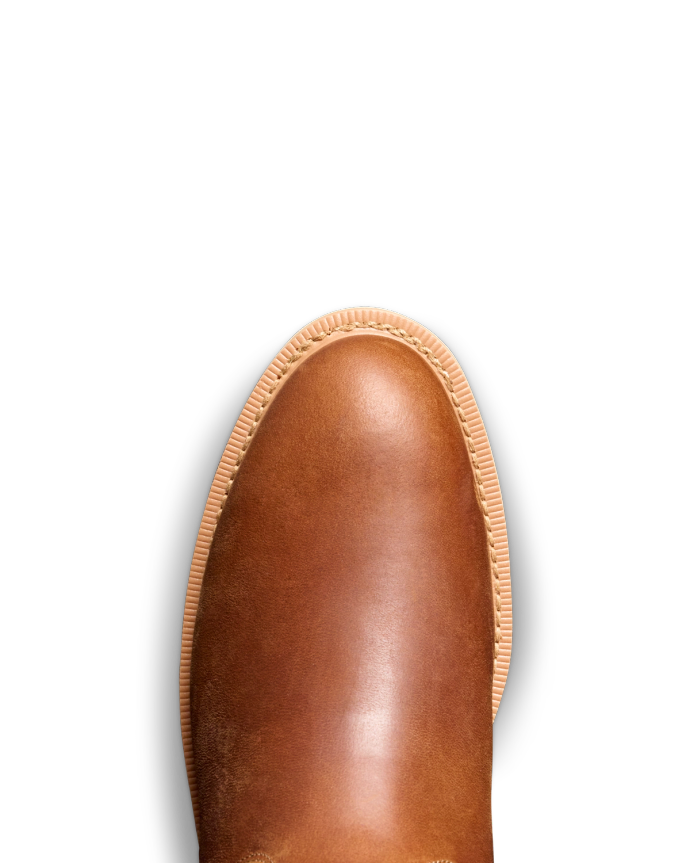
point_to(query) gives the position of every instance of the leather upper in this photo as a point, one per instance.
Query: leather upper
(343, 650)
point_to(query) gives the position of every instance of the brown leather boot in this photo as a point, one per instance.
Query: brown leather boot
(347, 628)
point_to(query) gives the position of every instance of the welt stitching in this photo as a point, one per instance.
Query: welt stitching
(429, 355)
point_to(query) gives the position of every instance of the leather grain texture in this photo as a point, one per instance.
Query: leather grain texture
(339, 699)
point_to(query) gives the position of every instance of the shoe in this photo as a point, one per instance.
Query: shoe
(347, 628)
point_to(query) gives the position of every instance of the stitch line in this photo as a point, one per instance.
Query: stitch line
(259, 855)
(256, 855)
(429, 355)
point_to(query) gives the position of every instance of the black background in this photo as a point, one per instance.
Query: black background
(182, 368)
